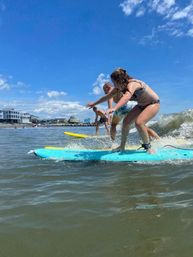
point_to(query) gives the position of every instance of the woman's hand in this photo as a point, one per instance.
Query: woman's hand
(90, 105)
(110, 110)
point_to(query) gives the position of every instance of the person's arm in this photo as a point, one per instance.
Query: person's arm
(96, 119)
(131, 87)
(110, 116)
(103, 98)
(124, 99)
(110, 106)
(110, 103)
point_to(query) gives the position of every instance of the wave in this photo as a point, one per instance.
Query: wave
(175, 124)
(174, 129)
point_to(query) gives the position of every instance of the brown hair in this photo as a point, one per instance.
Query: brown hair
(120, 75)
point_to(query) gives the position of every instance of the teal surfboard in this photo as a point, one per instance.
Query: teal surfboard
(162, 154)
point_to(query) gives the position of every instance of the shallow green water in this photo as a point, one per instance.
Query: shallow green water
(87, 209)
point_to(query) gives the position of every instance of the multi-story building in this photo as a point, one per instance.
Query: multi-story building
(12, 116)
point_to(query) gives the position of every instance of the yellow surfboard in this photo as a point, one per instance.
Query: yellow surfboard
(54, 147)
(76, 135)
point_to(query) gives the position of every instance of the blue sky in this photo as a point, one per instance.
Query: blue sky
(56, 54)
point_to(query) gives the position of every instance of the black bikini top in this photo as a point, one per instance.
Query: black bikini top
(137, 92)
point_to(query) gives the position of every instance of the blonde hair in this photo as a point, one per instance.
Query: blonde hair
(107, 84)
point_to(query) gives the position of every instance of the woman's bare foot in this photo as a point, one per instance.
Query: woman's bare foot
(118, 149)
(151, 151)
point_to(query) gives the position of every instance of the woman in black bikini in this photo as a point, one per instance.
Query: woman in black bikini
(147, 107)
(121, 113)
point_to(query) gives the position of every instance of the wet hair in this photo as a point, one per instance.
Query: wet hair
(94, 108)
(120, 75)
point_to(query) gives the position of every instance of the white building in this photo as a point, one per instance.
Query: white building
(73, 120)
(1, 115)
(10, 115)
(25, 117)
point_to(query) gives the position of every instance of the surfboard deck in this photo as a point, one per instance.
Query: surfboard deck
(131, 147)
(162, 154)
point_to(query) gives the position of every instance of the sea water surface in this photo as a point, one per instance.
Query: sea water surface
(90, 209)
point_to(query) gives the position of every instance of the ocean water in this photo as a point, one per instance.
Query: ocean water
(92, 209)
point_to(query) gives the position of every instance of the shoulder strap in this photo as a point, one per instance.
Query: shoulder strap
(138, 81)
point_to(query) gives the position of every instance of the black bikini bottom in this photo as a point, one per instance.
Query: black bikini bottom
(153, 102)
(103, 120)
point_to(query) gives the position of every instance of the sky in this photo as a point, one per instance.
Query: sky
(55, 55)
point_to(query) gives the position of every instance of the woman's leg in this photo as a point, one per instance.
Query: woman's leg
(152, 133)
(148, 113)
(97, 127)
(116, 119)
(106, 126)
(128, 120)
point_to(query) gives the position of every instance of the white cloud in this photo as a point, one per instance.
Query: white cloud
(149, 38)
(128, 6)
(140, 12)
(55, 94)
(97, 90)
(190, 32)
(98, 84)
(21, 87)
(7, 83)
(20, 84)
(179, 15)
(161, 6)
(56, 108)
(186, 14)
(4, 84)
(170, 12)
(173, 29)
(48, 108)
(20, 105)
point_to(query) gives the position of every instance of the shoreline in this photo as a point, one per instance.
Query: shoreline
(27, 125)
